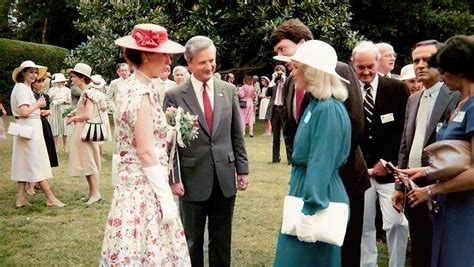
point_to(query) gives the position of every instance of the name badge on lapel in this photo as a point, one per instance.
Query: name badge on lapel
(460, 116)
(387, 118)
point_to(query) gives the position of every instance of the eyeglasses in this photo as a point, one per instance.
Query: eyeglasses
(389, 55)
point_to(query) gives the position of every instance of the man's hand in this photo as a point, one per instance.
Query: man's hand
(398, 199)
(242, 181)
(178, 189)
(379, 169)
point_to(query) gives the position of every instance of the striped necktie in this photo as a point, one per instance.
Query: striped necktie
(368, 106)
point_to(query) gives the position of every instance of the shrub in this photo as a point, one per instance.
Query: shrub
(14, 52)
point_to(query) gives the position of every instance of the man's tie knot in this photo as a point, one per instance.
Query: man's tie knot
(367, 86)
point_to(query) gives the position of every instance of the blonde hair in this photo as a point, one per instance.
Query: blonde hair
(323, 85)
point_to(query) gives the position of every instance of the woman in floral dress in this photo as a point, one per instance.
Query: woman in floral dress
(143, 227)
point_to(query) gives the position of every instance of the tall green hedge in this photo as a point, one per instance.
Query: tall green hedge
(13, 52)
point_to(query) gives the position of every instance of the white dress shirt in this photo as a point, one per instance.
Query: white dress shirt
(374, 84)
(197, 85)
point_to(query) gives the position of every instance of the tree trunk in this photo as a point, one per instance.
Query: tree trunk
(45, 30)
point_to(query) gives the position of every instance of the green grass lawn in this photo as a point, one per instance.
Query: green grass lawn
(41, 235)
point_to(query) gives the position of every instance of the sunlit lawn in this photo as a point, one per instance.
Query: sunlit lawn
(41, 235)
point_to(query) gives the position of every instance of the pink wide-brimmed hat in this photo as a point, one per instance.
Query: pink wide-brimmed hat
(150, 38)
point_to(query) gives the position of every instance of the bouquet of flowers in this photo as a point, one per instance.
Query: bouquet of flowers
(68, 111)
(186, 125)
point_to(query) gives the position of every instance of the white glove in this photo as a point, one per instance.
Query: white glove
(157, 178)
(304, 229)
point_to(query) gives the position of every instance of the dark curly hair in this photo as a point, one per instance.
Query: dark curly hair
(293, 30)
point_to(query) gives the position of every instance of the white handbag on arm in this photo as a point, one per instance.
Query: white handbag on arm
(328, 225)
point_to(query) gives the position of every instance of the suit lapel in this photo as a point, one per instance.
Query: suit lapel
(438, 110)
(190, 98)
(380, 100)
(218, 105)
(411, 124)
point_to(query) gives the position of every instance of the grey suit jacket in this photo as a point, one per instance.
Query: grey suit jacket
(219, 155)
(443, 107)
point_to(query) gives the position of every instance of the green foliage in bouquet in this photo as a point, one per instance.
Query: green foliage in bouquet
(185, 124)
(68, 111)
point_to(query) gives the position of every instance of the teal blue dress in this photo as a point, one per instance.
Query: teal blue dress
(453, 226)
(321, 147)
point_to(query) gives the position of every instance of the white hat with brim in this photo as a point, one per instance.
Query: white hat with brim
(29, 64)
(58, 78)
(316, 54)
(83, 69)
(407, 72)
(97, 81)
(150, 38)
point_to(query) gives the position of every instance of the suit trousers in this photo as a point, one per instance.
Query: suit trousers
(219, 211)
(395, 225)
(350, 251)
(278, 114)
(421, 233)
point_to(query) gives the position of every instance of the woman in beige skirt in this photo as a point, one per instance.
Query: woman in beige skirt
(84, 158)
(29, 154)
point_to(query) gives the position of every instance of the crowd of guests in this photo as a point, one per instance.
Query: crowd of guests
(341, 123)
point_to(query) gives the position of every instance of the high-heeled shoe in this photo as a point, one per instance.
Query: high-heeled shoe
(56, 203)
(21, 204)
(94, 199)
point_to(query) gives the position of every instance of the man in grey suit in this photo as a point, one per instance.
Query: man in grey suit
(215, 164)
(425, 110)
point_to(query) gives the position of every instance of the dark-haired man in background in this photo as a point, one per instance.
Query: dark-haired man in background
(285, 40)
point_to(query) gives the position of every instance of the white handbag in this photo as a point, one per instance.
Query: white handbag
(25, 131)
(329, 225)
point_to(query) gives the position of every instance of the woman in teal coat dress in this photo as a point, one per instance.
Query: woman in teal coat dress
(321, 147)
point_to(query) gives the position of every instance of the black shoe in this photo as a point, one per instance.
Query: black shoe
(276, 161)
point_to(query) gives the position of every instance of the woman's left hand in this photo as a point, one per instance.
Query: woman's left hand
(418, 196)
(69, 120)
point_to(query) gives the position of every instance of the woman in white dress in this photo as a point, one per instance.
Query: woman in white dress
(143, 227)
(262, 114)
(60, 100)
(29, 155)
(84, 156)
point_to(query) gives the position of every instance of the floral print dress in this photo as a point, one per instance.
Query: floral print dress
(134, 233)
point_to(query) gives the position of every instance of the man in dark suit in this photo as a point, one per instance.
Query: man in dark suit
(285, 39)
(277, 111)
(215, 164)
(425, 110)
(384, 111)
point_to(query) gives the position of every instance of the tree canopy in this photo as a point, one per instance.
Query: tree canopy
(45, 21)
(240, 29)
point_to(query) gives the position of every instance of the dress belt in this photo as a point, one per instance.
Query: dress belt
(28, 117)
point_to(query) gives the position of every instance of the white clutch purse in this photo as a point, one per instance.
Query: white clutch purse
(329, 225)
(24, 131)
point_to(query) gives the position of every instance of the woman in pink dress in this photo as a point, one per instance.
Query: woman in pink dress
(143, 227)
(248, 94)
